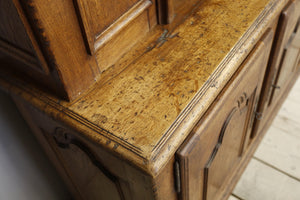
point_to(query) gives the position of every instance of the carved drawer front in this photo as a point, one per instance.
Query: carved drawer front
(218, 142)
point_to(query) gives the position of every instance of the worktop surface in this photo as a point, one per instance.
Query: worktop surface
(146, 110)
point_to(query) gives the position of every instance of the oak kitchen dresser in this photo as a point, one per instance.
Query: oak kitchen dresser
(145, 99)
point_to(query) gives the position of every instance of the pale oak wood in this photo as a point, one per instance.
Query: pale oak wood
(262, 182)
(281, 150)
(232, 198)
(280, 147)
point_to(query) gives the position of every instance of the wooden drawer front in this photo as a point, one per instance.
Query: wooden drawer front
(286, 31)
(217, 143)
(104, 22)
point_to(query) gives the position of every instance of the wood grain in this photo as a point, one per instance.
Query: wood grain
(128, 127)
(121, 36)
(12, 29)
(93, 12)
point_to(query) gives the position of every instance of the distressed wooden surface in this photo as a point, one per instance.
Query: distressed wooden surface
(146, 111)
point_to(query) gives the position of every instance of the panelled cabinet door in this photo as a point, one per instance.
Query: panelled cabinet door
(289, 62)
(282, 64)
(216, 145)
(286, 49)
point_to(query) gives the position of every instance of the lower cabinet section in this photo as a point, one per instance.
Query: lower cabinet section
(217, 144)
(90, 172)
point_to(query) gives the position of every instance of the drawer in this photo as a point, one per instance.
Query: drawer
(219, 140)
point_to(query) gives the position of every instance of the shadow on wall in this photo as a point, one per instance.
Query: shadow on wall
(25, 171)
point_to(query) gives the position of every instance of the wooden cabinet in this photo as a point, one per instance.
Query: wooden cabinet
(177, 110)
(216, 145)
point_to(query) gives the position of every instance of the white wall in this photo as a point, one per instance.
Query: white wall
(25, 172)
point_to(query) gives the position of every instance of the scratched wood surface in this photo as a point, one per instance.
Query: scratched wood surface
(146, 111)
(141, 103)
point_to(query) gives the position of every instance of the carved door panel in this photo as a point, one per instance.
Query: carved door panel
(289, 62)
(283, 60)
(286, 30)
(221, 137)
(286, 48)
(110, 28)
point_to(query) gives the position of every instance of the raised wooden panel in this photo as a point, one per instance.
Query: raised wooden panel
(14, 40)
(111, 28)
(212, 151)
(103, 22)
(96, 16)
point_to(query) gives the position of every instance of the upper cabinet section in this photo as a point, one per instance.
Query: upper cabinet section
(68, 44)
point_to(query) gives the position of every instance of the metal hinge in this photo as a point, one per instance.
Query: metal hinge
(276, 86)
(258, 115)
(177, 176)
